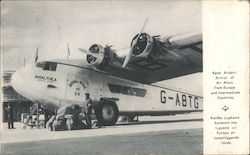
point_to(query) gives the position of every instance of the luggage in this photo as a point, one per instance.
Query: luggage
(59, 125)
(67, 118)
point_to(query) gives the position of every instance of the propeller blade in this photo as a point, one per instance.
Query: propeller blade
(139, 33)
(144, 25)
(122, 53)
(127, 58)
(133, 44)
(36, 56)
(90, 53)
(83, 50)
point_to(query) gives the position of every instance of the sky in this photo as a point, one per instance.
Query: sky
(50, 26)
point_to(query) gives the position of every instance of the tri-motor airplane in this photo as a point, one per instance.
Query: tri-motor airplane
(119, 86)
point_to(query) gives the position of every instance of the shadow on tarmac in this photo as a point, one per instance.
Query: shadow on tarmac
(157, 122)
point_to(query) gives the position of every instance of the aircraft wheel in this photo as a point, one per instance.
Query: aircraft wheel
(107, 113)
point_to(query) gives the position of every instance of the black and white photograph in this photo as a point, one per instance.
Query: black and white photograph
(101, 77)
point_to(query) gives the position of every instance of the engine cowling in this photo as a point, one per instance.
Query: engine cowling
(98, 54)
(143, 46)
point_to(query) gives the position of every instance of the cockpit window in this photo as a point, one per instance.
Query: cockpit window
(40, 64)
(51, 66)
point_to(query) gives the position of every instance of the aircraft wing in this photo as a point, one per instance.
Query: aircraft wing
(155, 59)
(170, 58)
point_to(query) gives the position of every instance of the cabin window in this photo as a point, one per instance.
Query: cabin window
(139, 92)
(125, 90)
(115, 88)
(128, 91)
(40, 64)
(51, 66)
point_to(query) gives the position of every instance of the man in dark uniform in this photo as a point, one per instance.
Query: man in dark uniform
(10, 116)
(87, 110)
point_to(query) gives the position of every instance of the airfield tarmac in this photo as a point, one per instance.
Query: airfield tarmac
(180, 134)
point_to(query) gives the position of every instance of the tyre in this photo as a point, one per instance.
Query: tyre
(107, 113)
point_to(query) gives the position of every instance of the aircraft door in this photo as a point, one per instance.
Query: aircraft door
(76, 88)
(97, 89)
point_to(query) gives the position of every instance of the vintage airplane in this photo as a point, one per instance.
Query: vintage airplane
(119, 86)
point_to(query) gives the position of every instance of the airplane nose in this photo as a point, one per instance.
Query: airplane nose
(23, 83)
(16, 80)
(19, 81)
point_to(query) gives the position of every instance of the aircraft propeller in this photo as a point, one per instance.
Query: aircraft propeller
(90, 53)
(36, 55)
(127, 58)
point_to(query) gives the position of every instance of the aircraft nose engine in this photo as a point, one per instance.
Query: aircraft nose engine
(143, 46)
(96, 55)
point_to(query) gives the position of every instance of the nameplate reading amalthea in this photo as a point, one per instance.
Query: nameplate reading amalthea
(45, 78)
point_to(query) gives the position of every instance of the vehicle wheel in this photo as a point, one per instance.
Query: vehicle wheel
(107, 113)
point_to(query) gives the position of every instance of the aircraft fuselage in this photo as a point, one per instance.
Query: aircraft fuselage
(62, 83)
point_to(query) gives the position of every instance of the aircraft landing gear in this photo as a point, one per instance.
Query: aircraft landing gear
(107, 113)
